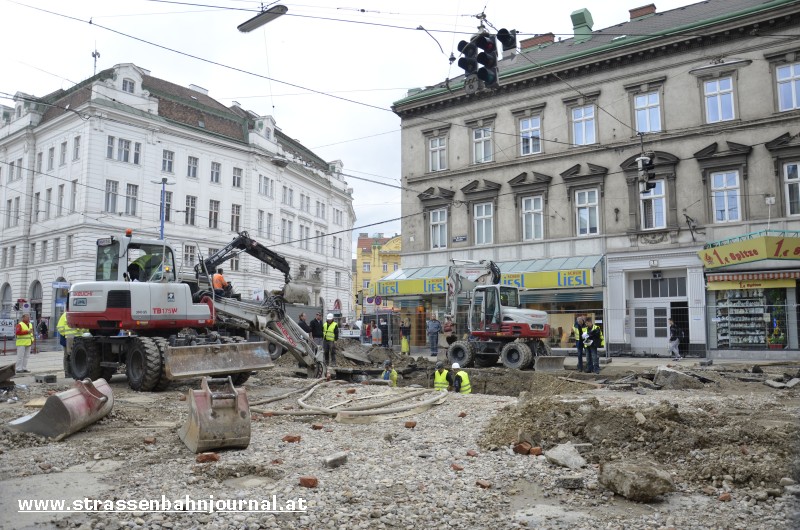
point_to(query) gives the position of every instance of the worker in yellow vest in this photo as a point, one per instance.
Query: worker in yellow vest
(440, 377)
(65, 331)
(461, 380)
(24, 339)
(330, 334)
(389, 373)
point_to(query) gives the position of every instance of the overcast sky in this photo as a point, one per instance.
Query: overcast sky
(367, 52)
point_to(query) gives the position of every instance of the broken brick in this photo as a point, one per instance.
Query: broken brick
(150, 440)
(317, 426)
(462, 415)
(743, 449)
(485, 484)
(411, 424)
(535, 451)
(456, 467)
(522, 448)
(268, 414)
(203, 458)
(725, 497)
(309, 482)
(472, 452)
(351, 390)
(291, 438)
(276, 462)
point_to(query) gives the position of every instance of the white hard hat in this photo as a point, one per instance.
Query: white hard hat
(456, 366)
(330, 316)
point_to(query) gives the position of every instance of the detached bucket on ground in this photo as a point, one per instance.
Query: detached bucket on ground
(219, 417)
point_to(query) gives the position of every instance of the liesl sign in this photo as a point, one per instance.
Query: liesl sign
(756, 249)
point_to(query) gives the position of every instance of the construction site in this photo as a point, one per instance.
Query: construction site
(644, 444)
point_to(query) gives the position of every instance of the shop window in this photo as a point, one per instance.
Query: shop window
(750, 318)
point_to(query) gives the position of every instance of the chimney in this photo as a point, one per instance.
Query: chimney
(639, 12)
(199, 89)
(544, 38)
(582, 25)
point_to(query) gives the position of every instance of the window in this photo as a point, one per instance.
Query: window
(48, 202)
(305, 235)
(128, 85)
(189, 254)
(395, 267)
(236, 215)
(237, 177)
(333, 247)
(32, 256)
(654, 207)
(63, 154)
(76, 148)
(264, 268)
(266, 186)
(288, 196)
(583, 125)
(234, 263)
(16, 211)
(68, 249)
(788, 86)
(532, 218)
(260, 223)
(725, 196)
(137, 152)
(482, 145)
(191, 167)
(338, 217)
(213, 214)
(319, 240)
(586, 212)
(111, 196)
(647, 108)
(51, 158)
(123, 150)
(439, 228)
(660, 288)
(110, 147)
(286, 231)
(39, 162)
(437, 150)
(60, 201)
(270, 231)
(337, 279)
(339, 254)
(365, 267)
(4, 260)
(719, 99)
(166, 161)
(791, 179)
(56, 249)
(321, 210)
(12, 255)
(19, 168)
(305, 203)
(11, 167)
(8, 213)
(216, 169)
(43, 255)
(385, 267)
(167, 206)
(483, 223)
(36, 206)
(530, 132)
(191, 210)
(73, 196)
(131, 198)
(365, 284)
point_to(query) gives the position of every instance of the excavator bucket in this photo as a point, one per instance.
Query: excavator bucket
(549, 363)
(69, 411)
(219, 417)
(186, 362)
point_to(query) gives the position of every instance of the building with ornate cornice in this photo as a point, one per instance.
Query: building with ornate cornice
(88, 162)
(541, 175)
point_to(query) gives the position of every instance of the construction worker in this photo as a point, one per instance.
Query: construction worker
(25, 337)
(65, 331)
(440, 377)
(593, 339)
(389, 373)
(219, 283)
(330, 334)
(461, 380)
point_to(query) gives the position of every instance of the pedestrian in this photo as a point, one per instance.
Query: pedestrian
(441, 377)
(330, 334)
(405, 337)
(24, 334)
(384, 333)
(377, 335)
(389, 373)
(316, 329)
(433, 328)
(577, 331)
(674, 341)
(449, 329)
(42, 328)
(368, 333)
(460, 380)
(303, 324)
(592, 340)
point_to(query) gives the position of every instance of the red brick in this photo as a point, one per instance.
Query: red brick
(268, 414)
(149, 440)
(535, 451)
(462, 415)
(522, 448)
(277, 462)
(291, 438)
(317, 426)
(411, 424)
(202, 458)
(472, 452)
(456, 467)
(725, 497)
(309, 482)
(485, 484)
(743, 449)
(351, 390)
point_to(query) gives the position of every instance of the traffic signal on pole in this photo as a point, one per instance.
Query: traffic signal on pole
(488, 73)
(508, 39)
(647, 174)
(468, 62)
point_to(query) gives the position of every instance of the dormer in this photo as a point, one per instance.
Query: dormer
(128, 79)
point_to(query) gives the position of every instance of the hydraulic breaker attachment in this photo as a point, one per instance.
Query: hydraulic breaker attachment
(186, 362)
(219, 417)
(69, 411)
(549, 363)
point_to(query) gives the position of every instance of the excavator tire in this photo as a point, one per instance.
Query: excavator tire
(163, 382)
(486, 361)
(143, 365)
(516, 355)
(461, 352)
(85, 360)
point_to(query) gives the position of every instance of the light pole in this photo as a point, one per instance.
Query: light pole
(164, 185)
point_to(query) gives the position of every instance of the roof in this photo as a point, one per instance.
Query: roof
(508, 267)
(649, 27)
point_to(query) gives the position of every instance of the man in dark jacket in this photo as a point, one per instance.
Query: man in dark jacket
(303, 324)
(592, 334)
(316, 329)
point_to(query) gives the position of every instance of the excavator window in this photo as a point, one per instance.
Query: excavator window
(107, 262)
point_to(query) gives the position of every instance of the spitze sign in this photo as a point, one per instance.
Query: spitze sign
(756, 249)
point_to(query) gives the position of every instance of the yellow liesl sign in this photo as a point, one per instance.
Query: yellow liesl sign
(756, 249)
(566, 279)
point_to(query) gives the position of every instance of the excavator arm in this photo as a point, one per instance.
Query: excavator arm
(243, 243)
(463, 277)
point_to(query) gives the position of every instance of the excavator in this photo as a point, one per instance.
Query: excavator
(140, 315)
(498, 326)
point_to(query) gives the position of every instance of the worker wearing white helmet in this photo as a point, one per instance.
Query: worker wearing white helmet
(460, 380)
(330, 334)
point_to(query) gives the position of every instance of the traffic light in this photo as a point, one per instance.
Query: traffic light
(488, 58)
(360, 298)
(508, 39)
(646, 174)
(468, 62)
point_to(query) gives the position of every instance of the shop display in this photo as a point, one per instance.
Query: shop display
(750, 318)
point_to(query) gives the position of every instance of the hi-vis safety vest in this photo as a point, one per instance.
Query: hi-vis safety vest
(465, 388)
(440, 380)
(27, 339)
(576, 333)
(64, 330)
(328, 331)
(600, 334)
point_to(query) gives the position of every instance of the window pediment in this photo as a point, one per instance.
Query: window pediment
(436, 196)
(528, 110)
(664, 165)
(439, 130)
(586, 98)
(481, 189)
(645, 85)
(711, 156)
(527, 183)
(482, 121)
(574, 179)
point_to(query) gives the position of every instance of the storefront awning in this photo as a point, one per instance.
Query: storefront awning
(758, 246)
(743, 276)
(553, 273)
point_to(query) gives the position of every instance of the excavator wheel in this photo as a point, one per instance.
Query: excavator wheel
(143, 365)
(163, 382)
(486, 361)
(85, 360)
(516, 355)
(461, 352)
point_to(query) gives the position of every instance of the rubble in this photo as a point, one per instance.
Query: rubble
(672, 379)
(636, 480)
(565, 455)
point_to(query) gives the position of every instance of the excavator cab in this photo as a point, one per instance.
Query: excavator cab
(136, 260)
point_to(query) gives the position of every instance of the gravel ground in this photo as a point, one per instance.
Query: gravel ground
(421, 477)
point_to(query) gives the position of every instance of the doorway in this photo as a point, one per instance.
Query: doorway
(679, 312)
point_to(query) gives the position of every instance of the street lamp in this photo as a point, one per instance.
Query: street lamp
(262, 18)
(164, 185)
